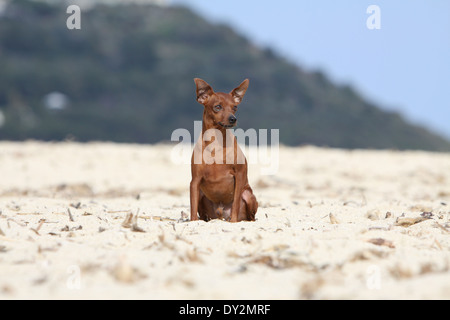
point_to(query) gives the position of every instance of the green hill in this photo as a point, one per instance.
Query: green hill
(128, 76)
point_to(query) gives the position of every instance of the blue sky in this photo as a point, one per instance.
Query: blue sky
(404, 66)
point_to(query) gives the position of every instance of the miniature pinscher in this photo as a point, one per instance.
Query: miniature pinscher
(219, 189)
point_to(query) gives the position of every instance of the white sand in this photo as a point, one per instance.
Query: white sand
(294, 249)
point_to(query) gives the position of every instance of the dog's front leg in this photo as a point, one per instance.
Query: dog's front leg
(239, 183)
(195, 196)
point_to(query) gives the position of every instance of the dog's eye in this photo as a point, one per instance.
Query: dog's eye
(235, 108)
(217, 108)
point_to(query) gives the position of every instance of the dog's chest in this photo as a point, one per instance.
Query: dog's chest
(218, 174)
(218, 183)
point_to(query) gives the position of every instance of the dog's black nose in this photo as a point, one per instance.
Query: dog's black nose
(232, 119)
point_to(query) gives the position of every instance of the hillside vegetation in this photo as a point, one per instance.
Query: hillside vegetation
(128, 76)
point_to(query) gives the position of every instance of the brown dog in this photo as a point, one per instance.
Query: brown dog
(219, 189)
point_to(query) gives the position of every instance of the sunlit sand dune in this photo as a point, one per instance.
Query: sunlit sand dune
(103, 220)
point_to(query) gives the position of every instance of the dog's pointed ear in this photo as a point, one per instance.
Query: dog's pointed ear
(239, 92)
(204, 90)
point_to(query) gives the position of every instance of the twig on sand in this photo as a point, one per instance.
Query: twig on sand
(134, 226)
(333, 219)
(131, 222)
(18, 223)
(76, 205)
(437, 224)
(70, 215)
(382, 242)
(406, 222)
(41, 222)
(128, 220)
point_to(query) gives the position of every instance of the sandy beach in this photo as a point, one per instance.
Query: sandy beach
(110, 221)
